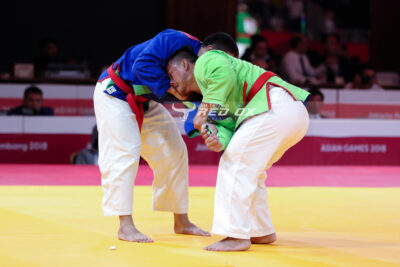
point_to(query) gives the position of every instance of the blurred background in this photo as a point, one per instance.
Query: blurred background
(345, 52)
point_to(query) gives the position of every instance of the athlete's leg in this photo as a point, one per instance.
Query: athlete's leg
(239, 170)
(165, 151)
(241, 207)
(119, 153)
(262, 230)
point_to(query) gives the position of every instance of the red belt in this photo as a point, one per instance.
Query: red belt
(135, 102)
(258, 84)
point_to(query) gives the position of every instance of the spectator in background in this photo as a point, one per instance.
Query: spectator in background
(356, 83)
(335, 61)
(315, 103)
(52, 65)
(259, 52)
(246, 26)
(296, 66)
(32, 104)
(295, 13)
(329, 22)
(276, 21)
(50, 55)
(89, 156)
(366, 79)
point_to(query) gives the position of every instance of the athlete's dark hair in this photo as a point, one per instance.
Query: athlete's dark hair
(32, 90)
(184, 52)
(222, 41)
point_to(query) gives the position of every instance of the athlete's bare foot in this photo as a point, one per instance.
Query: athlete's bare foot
(267, 239)
(230, 244)
(183, 226)
(128, 232)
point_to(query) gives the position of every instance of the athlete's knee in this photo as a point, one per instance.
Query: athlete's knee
(179, 150)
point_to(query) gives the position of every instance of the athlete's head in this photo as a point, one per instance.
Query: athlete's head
(180, 70)
(220, 41)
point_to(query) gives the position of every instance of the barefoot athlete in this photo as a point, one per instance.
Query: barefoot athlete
(131, 123)
(265, 116)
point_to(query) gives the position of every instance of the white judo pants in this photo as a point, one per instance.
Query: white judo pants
(121, 145)
(241, 205)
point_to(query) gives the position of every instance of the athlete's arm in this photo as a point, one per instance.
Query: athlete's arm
(216, 79)
(202, 114)
(217, 137)
(224, 134)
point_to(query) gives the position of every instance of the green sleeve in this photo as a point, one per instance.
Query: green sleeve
(224, 135)
(215, 76)
(193, 133)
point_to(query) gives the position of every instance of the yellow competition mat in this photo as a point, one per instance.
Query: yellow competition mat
(316, 226)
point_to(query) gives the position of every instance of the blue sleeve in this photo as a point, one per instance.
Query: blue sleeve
(150, 65)
(189, 126)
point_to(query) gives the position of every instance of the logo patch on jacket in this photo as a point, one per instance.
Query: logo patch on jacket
(111, 90)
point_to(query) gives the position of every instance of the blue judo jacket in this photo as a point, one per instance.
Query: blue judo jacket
(145, 63)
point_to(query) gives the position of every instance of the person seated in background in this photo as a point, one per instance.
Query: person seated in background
(296, 66)
(53, 64)
(356, 83)
(315, 103)
(335, 60)
(50, 55)
(258, 52)
(89, 156)
(366, 79)
(32, 104)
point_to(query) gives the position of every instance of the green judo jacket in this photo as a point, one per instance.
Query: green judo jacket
(226, 81)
